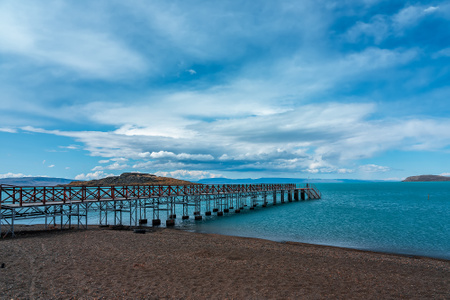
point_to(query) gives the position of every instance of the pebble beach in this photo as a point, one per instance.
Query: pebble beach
(102, 263)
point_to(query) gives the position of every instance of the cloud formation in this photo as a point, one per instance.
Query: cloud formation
(10, 130)
(323, 139)
(47, 36)
(381, 26)
(92, 176)
(197, 89)
(13, 175)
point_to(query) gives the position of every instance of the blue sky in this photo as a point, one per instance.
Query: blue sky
(204, 89)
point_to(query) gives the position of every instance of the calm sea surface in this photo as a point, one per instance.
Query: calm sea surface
(401, 217)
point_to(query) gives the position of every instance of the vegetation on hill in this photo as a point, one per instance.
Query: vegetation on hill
(427, 178)
(132, 179)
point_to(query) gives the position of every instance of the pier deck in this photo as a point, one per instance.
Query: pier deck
(116, 205)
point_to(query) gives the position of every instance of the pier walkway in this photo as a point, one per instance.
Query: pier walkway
(118, 205)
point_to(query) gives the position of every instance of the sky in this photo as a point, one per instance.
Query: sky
(236, 89)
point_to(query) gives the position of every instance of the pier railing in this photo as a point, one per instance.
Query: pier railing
(72, 204)
(24, 196)
(312, 191)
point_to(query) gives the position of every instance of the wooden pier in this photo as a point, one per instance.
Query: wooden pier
(116, 205)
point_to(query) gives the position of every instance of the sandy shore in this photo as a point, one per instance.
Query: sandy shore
(101, 263)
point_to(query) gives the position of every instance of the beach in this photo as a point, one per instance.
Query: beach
(102, 263)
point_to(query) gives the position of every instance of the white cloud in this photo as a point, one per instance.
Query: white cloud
(323, 167)
(51, 166)
(165, 165)
(47, 35)
(91, 176)
(319, 138)
(378, 28)
(375, 58)
(119, 159)
(382, 26)
(442, 53)
(293, 103)
(70, 147)
(371, 168)
(394, 179)
(189, 175)
(114, 166)
(181, 156)
(345, 171)
(430, 9)
(407, 17)
(410, 16)
(10, 130)
(13, 175)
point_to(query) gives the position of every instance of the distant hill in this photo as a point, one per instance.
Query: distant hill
(248, 180)
(150, 179)
(427, 178)
(35, 181)
(276, 180)
(132, 179)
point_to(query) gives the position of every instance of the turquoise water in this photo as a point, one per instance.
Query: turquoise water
(395, 217)
(399, 217)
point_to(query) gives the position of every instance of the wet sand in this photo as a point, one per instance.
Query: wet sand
(101, 263)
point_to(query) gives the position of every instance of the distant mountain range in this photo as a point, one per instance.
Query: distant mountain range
(124, 179)
(427, 178)
(35, 181)
(155, 180)
(277, 180)
(144, 179)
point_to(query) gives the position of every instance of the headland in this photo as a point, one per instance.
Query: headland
(426, 178)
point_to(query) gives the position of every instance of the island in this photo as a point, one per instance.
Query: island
(426, 178)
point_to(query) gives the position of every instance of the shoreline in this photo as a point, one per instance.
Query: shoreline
(173, 263)
(331, 246)
(26, 229)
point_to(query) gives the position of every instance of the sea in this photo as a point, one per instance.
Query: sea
(408, 218)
